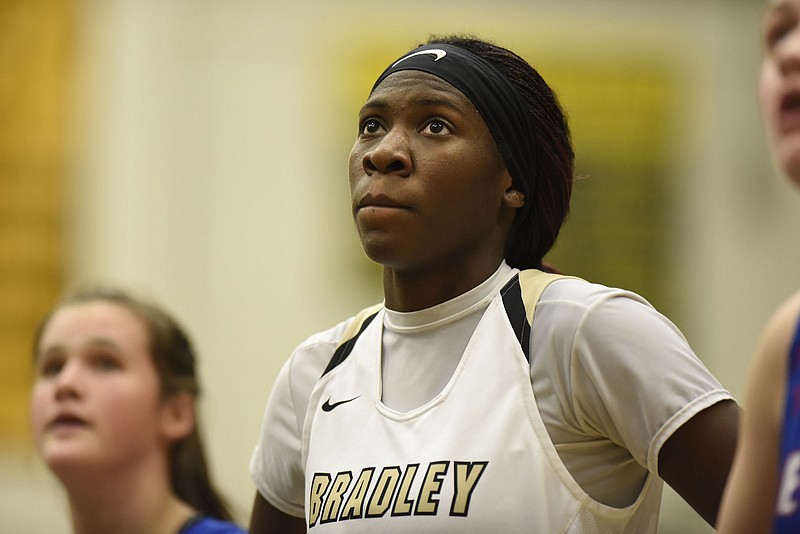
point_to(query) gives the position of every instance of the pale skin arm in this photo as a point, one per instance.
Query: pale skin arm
(749, 501)
(266, 519)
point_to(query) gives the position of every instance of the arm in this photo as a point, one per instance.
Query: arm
(267, 519)
(749, 501)
(636, 379)
(275, 466)
(696, 459)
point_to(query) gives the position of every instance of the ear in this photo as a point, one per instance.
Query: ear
(177, 416)
(513, 198)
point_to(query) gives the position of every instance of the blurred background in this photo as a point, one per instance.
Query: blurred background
(196, 151)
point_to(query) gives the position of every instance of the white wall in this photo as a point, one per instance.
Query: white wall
(210, 172)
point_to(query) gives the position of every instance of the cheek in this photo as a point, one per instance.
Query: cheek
(354, 165)
(39, 405)
(129, 406)
(768, 95)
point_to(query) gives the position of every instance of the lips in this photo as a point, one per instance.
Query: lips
(791, 101)
(789, 118)
(378, 201)
(67, 421)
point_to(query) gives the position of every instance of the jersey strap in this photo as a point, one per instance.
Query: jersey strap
(351, 333)
(520, 296)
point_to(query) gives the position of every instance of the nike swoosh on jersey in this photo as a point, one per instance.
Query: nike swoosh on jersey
(327, 406)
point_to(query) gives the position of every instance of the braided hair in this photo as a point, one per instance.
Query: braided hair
(534, 230)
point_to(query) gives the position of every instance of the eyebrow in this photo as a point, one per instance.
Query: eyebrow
(776, 6)
(95, 342)
(775, 11)
(383, 104)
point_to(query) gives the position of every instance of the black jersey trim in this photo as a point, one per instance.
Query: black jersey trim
(515, 310)
(344, 350)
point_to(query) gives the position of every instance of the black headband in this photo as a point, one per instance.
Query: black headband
(502, 107)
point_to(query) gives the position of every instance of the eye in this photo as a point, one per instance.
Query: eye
(436, 127)
(370, 126)
(106, 362)
(774, 35)
(776, 28)
(50, 367)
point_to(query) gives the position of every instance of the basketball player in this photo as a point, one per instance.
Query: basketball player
(451, 407)
(763, 493)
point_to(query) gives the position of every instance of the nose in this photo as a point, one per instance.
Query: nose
(787, 53)
(390, 155)
(68, 380)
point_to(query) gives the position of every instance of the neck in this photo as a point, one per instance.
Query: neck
(406, 291)
(133, 500)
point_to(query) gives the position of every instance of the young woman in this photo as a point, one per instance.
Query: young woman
(763, 492)
(451, 407)
(114, 416)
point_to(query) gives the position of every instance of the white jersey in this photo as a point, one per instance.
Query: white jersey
(478, 456)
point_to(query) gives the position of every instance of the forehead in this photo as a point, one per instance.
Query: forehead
(76, 322)
(782, 6)
(418, 84)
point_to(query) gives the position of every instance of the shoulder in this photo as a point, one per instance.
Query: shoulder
(604, 330)
(573, 304)
(339, 332)
(209, 525)
(579, 292)
(310, 358)
(769, 370)
(752, 488)
(781, 327)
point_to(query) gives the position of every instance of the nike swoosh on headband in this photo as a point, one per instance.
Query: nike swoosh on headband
(438, 52)
(327, 406)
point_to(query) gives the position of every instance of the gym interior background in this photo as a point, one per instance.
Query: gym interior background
(196, 151)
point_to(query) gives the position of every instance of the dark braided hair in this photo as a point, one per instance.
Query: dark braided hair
(534, 230)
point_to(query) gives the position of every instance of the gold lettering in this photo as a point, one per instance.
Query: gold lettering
(402, 504)
(319, 485)
(334, 499)
(427, 504)
(354, 507)
(467, 476)
(382, 495)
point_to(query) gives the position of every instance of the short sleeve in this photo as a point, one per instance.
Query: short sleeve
(608, 368)
(276, 463)
(635, 379)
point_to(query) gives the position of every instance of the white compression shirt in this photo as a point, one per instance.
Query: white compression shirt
(613, 379)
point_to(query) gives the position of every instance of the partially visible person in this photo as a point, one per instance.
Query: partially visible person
(114, 416)
(483, 394)
(763, 490)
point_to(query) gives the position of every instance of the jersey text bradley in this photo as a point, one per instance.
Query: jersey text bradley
(375, 492)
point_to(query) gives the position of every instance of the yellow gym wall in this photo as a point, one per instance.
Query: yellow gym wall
(36, 53)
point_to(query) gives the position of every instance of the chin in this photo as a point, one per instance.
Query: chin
(64, 457)
(379, 249)
(786, 154)
(790, 165)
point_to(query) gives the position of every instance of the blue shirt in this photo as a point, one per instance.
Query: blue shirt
(209, 525)
(787, 509)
